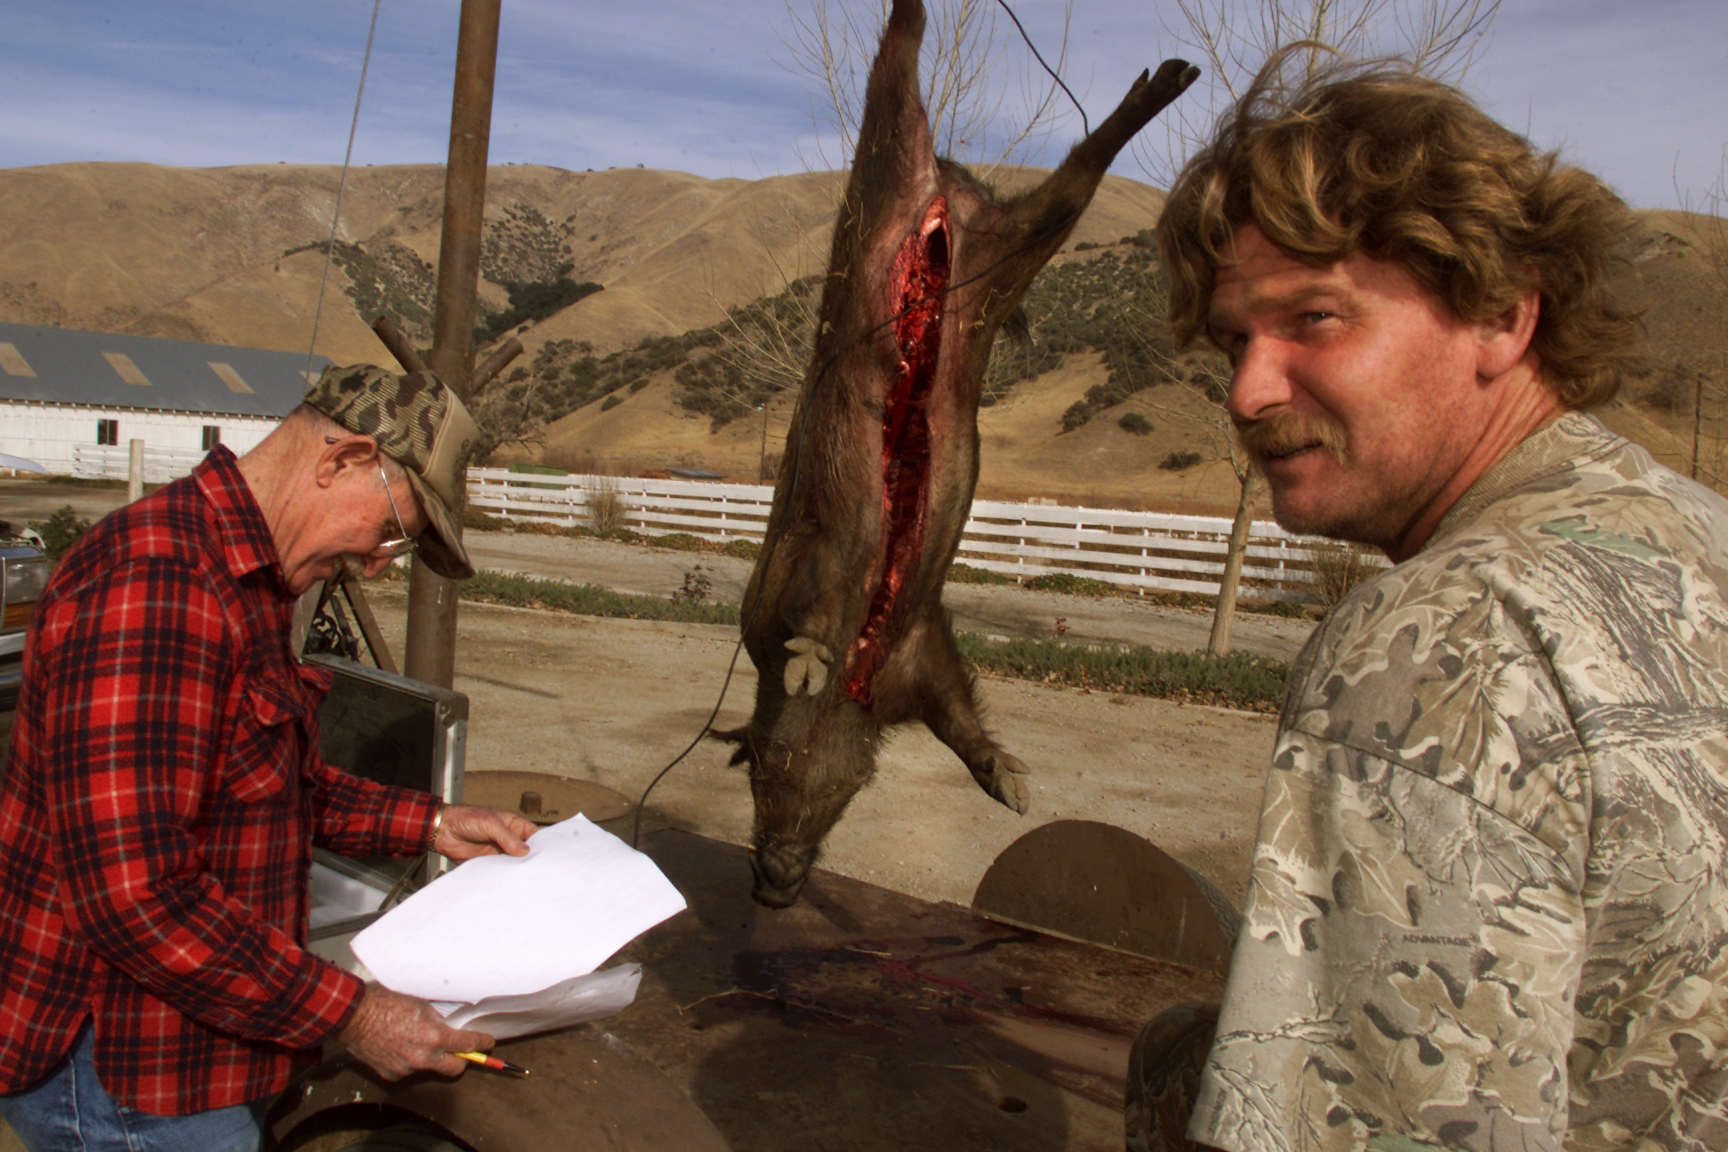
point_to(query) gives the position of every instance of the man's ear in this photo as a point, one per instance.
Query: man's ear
(1505, 340)
(343, 453)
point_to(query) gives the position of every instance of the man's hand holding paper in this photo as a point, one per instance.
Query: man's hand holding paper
(524, 928)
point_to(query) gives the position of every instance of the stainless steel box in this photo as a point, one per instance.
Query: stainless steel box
(388, 728)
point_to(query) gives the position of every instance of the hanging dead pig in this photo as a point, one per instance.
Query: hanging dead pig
(843, 614)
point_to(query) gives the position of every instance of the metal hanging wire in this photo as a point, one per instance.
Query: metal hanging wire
(341, 185)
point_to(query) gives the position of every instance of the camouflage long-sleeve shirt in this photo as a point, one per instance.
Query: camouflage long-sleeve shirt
(1489, 902)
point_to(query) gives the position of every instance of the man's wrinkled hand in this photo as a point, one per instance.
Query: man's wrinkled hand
(467, 832)
(397, 1035)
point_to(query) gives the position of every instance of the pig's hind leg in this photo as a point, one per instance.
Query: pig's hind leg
(946, 699)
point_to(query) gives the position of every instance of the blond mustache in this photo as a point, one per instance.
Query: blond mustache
(1288, 432)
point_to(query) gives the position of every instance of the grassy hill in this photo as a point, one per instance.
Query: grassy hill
(646, 370)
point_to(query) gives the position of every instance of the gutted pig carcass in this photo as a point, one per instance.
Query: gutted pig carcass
(843, 614)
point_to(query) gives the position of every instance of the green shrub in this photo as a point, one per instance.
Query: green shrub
(591, 600)
(1135, 423)
(60, 531)
(1180, 600)
(1078, 413)
(1177, 461)
(1068, 582)
(1288, 609)
(607, 511)
(741, 548)
(1112, 302)
(679, 542)
(966, 574)
(529, 527)
(611, 402)
(1239, 680)
(389, 278)
(1339, 568)
(472, 517)
(533, 301)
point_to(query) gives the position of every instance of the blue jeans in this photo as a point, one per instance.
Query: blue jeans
(71, 1112)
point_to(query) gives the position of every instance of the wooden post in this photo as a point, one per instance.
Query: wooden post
(431, 649)
(135, 470)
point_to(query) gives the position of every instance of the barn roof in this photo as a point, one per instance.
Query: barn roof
(104, 370)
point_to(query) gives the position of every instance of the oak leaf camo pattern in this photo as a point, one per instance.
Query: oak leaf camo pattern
(1489, 901)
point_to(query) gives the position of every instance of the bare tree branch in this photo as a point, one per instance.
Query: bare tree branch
(1708, 447)
(1233, 39)
(971, 105)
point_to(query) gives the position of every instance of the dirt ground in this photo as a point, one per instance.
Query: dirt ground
(994, 610)
(614, 701)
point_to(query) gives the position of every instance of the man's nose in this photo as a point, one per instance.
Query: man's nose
(1260, 383)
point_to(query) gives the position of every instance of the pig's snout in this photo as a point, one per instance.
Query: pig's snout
(781, 870)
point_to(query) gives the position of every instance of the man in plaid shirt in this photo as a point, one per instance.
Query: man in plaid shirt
(165, 788)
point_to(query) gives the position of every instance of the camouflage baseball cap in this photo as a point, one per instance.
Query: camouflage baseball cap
(420, 424)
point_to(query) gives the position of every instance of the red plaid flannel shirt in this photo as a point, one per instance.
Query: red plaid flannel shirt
(158, 814)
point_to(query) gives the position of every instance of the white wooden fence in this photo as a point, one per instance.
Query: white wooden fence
(1142, 550)
(112, 461)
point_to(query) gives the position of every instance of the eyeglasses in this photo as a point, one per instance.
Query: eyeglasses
(404, 543)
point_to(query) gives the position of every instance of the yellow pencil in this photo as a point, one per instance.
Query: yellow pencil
(492, 1062)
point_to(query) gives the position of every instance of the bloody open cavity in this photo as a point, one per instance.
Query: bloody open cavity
(919, 290)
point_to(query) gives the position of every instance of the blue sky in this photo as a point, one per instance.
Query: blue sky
(1637, 92)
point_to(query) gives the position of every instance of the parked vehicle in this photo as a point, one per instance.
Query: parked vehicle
(23, 575)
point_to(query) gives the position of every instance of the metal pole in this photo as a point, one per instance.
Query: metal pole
(135, 470)
(431, 649)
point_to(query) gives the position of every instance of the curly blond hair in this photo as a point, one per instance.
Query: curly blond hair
(1374, 159)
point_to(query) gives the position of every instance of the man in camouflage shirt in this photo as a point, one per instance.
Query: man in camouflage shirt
(1489, 897)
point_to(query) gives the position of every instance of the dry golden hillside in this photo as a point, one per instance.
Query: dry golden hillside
(198, 254)
(234, 255)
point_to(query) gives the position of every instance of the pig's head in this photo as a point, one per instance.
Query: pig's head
(802, 777)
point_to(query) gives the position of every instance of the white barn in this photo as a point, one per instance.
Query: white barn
(72, 401)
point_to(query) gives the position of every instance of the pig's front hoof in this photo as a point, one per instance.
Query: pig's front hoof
(809, 664)
(780, 872)
(1004, 777)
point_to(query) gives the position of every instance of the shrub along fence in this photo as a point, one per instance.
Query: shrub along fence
(1145, 551)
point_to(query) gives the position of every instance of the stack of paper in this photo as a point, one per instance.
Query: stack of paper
(508, 944)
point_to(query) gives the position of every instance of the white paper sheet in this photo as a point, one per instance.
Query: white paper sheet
(572, 1002)
(519, 925)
